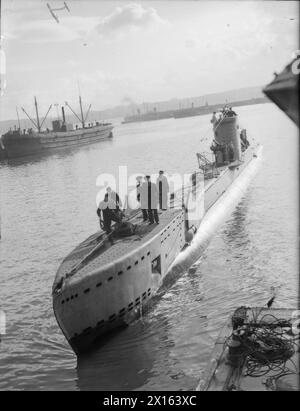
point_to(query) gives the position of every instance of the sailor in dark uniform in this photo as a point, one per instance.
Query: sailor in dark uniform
(231, 113)
(149, 200)
(108, 209)
(244, 142)
(114, 196)
(214, 120)
(139, 185)
(163, 190)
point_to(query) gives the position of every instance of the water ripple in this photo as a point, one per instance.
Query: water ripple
(49, 208)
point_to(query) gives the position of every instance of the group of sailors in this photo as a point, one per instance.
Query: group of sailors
(89, 125)
(224, 153)
(149, 195)
(19, 131)
(228, 112)
(225, 112)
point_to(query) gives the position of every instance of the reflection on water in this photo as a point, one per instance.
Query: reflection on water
(55, 154)
(48, 207)
(236, 231)
(128, 371)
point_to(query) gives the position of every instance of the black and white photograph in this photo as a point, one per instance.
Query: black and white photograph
(149, 198)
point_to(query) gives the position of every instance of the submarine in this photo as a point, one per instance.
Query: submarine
(110, 280)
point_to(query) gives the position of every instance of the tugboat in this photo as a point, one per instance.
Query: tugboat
(20, 143)
(109, 280)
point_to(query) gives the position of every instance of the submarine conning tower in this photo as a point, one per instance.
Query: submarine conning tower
(226, 133)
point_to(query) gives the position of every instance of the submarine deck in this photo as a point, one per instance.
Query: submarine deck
(108, 249)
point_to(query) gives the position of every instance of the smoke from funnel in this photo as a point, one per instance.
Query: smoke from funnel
(128, 100)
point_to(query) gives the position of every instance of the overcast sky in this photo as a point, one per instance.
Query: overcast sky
(141, 50)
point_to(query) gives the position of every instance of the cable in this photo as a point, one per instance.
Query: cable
(262, 346)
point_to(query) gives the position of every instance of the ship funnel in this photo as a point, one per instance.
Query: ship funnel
(227, 133)
(63, 114)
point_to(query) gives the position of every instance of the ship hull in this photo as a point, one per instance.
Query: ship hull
(14, 145)
(105, 298)
(148, 117)
(284, 90)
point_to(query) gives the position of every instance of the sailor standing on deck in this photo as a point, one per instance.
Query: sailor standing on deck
(139, 185)
(163, 190)
(114, 196)
(149, 200)
(138, 189)
(107, 208)
(231, 113)
(214, 120)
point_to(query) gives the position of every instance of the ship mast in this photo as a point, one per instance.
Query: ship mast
(37, 115)
(18, 118)
(80, 104)
(82, 119)
(81, 111)
(37, 124)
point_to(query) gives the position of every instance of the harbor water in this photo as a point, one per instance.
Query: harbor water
(48, 207)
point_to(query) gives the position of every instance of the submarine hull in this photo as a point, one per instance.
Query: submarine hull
(121, 283)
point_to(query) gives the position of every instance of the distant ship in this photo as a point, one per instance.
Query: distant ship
(149, 116)
(194, 111)
(208, 108)
(20, 143)
(109, 280)
(188, 111)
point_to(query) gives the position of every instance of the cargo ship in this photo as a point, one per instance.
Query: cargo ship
(109, 280)
(27, 142)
